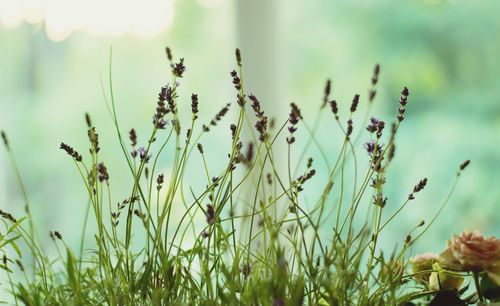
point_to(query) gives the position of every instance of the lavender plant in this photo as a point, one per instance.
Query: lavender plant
(247, 237)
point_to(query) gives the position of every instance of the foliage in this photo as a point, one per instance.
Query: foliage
(248, 236)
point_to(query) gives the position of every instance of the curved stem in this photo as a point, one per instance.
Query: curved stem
(475, 276)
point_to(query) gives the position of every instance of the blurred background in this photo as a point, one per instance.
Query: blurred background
(54, 58)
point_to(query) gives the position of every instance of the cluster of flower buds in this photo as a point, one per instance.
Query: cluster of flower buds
(403, 100)
(293, 119)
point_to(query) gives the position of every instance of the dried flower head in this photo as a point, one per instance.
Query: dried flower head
(420, 186)
(103, 172)
(376, 72)
(269, 178)
(87, 120)
(372, 127)
(373, 92)
(403, 101)
(240, 97)
(380, 128)
(238, 56)
(334, 108)
(349, 128)
(256, 106)
(236, 79)
(392, 146)
(375, 150)
(246, 270)
(8, 216)
(379, 200)
(309, 162)
(138, 214)
(218, 117)
(200, 148)
(304, 178)
(249, 154)
(166, 94)
(94, 140)
(159, 181)
(261, 125)
(354, 104)
(464, 165)
(407, 239)
(326, 97)
(232, 127)
(71, 152)
(293, 120)
(133, 137)
(143, 155)
(169, 54)
(210, 214)
(57, 235)
(373, 147)
(371, 95)
(194, 105)
(178, 68)
(5, 139)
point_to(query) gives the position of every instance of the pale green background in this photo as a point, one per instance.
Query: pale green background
(446, 52)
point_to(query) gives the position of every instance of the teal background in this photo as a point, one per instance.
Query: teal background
(446, 52)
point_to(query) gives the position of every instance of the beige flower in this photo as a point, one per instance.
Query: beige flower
(442, 279)
(471, 251)
(422, 263)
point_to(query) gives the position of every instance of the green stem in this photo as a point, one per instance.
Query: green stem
(475, 276)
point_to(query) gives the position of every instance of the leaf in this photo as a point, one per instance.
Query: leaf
(9, 240)
(70, 267)
(490, 290)
(464, 289)
(297, 292)
(24, 295)
(494, 273)
(4, 267)
(13, 227)
(16, 248)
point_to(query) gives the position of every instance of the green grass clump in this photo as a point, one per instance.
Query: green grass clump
(247, 238)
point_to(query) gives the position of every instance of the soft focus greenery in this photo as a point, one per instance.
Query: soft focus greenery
(249, 235)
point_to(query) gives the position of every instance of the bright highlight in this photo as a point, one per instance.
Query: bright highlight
(143, 18)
